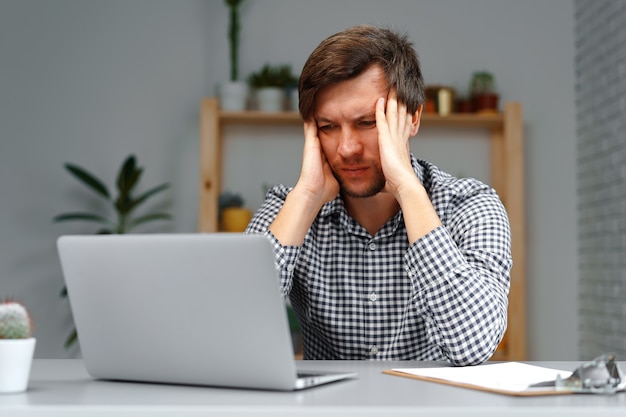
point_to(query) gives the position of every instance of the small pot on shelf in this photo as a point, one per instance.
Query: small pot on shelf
(464, 105)
(271, 84)
(486, 103)
(235, 219)
(233, 95)
(483, 92)
(270, 99)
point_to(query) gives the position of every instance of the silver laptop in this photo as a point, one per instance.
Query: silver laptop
(200, 309)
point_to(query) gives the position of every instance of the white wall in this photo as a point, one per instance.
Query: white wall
(91, 81)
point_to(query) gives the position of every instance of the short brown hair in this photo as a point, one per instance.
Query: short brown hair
(349, 53)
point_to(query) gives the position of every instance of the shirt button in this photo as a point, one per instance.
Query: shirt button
(373, 297)
(290, 267)
(372, 246)
(374, 350)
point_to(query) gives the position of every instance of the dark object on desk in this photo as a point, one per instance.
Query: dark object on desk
(599, 376)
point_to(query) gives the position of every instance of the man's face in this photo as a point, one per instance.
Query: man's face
(346, 120)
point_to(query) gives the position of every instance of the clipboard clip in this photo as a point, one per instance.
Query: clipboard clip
(599, 376)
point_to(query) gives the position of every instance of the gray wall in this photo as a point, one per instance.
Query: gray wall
(601, 87)
(91, 81)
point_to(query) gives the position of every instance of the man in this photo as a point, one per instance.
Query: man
(382, 255)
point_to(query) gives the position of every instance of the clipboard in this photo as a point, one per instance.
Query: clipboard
(508, 378)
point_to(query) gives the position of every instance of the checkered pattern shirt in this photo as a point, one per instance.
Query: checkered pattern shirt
(442, 298)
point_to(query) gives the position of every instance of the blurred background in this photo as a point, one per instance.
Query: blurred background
(90, 82)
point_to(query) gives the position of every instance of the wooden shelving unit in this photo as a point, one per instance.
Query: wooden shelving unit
(507, 177)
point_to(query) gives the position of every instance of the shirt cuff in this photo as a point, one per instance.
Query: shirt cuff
(433, 257)
(286, 256)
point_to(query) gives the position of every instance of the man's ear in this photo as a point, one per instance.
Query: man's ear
(415, 121)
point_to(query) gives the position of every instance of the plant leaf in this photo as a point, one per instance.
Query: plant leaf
(127, 168)
(71, 339)
(134, 203)
(128, 175)
(127, 183)
(123, 204)
(81, 216)
(88, 179)
(133, 180)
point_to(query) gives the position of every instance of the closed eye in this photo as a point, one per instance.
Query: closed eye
(366, 124)
(326, 127)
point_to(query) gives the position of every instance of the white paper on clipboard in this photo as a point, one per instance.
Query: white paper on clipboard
(507, 377)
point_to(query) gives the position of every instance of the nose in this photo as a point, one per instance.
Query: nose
(349, 143)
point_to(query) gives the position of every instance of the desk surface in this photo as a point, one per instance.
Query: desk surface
(63, 388)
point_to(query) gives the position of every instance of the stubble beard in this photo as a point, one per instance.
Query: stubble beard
(374, 187)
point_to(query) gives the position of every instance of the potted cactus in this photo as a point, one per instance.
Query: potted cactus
(483, 92)
(17, 346)
(233, 93)
(234, 217)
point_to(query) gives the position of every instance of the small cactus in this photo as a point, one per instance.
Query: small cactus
(15, 321)
(229, 199)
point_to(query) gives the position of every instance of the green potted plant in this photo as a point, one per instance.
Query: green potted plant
(234, 217)
(17, 346)
(123, 206)
(296, 331)
(269, 84)
(233, 93)
(483, 92)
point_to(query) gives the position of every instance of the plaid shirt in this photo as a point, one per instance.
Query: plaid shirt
(359, 296)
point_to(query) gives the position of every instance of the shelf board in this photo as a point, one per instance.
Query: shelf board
(259, 117)
(487, 120)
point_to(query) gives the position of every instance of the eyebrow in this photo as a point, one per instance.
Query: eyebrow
(367, 116)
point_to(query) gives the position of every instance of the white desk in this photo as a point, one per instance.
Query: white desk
(63, 388)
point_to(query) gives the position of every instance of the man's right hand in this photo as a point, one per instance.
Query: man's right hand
(315, 187)
(316, 177)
